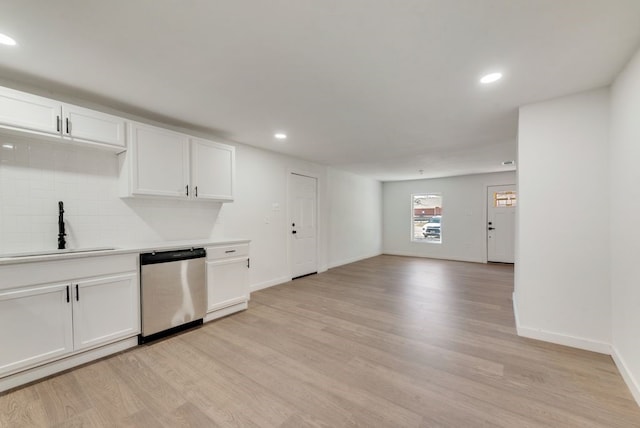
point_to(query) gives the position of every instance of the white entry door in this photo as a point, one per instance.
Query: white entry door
(501, 223)
(303, 225)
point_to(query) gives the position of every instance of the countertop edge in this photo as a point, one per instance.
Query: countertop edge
(142, 248)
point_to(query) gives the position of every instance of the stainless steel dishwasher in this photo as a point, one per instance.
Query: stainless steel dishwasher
(173, 291)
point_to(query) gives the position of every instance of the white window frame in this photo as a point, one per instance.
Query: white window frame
(412, 219)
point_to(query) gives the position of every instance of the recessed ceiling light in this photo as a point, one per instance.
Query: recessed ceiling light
(491, 77)
(7, 146)
(6, 40)
(280, 136)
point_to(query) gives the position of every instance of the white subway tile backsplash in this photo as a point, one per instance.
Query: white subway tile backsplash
(35, 175)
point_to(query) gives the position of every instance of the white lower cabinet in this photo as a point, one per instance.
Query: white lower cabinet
(44, 323)
(227, 280)
(35, 326)
(227, 283)
(105, 309)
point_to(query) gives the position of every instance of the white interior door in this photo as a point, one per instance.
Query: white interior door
(501, 221)
(304, 230)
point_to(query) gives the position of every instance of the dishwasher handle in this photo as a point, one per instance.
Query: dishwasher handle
(171, 256)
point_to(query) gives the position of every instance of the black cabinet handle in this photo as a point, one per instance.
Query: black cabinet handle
(492, 228)
(248, 263)
(67, 294)
(196, 191)
(230, 251)
(58, 123)
(187, 187)
(68, 126)
(77, 294)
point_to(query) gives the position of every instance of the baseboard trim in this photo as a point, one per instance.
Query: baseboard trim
(558, 338)
(223, 312)
(46, 370)
(270, 283)
(515, 312)
(352, 260)
(321, 269)
(632, 383)
(431, 256)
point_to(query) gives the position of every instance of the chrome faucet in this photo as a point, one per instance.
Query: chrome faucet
(62, 243)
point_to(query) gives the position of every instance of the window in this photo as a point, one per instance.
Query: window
(426, 217)
(504, 199)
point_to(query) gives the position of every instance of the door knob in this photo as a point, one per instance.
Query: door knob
(492, 228)
(294, 232)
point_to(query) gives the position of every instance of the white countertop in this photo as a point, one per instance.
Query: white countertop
(74, 253)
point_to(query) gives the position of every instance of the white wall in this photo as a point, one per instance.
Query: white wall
(35, 175)
(355, 214)
(625, 232)
(259, 212)
(562, 290)
(464, 207)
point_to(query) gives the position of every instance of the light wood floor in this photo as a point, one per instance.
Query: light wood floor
(386, 342)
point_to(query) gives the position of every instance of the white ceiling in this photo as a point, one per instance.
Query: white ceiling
(381, 88)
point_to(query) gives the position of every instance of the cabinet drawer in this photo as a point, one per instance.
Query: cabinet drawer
(227, 252)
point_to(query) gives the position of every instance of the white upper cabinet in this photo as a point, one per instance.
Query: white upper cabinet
(212, 170)
(21, 112)
(158, 162)
(82, 124)
(164, 163)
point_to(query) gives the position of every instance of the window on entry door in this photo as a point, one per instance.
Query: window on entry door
(426, 217)
(504, 199)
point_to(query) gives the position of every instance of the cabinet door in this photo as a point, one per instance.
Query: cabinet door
(105, 309)
(35, 326)
(22, 111)
(227, 283)
(89, 125)
(160, 162)
(213, 167)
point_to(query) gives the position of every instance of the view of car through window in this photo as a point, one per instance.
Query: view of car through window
(427, 217)
(432, 228)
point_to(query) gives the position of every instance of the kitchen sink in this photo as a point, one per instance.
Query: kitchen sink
(54, 252)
